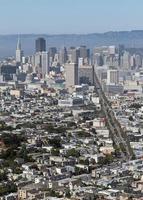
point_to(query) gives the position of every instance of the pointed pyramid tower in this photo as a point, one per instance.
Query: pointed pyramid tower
(18, 51)
(18, 44)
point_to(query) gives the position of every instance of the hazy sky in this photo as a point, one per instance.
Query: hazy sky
(69, 16)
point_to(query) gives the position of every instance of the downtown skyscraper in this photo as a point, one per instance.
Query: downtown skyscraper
(40, 45)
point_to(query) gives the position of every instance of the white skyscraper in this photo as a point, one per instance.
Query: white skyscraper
(138, 61)
(126, 60)
(80, 62)
(37, 62)
(71, 70)
(19, 52)
(44, 63)
(112, 50)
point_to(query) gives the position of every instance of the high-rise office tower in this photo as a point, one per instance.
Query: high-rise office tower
(100, 55)
(19, 52)
(84, 52)
(98, 59)
(56, 58)
(80, 62)
(63, 56)
(71, 70)
(73, 55)
(52, 53)
(112, 50)
(40, 45)
(41, 57)
(86, 74)
(112, 77)
(132, 62)
(37, 63)
(138, 61)
(44, 63)
(121, 49)
(126, 60)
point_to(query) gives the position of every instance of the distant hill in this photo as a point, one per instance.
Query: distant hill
(133, 39)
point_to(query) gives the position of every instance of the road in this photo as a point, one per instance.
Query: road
(117, 134)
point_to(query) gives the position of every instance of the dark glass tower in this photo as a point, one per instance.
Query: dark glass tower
(40, 45)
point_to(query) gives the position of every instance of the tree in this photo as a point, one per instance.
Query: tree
(3, 176)
(10, 139)
(79, 171)
(131, 118)
(55, 142)
(73, 153)
(123, 149)
(9, 154)
(23, 153)
(84, 162)
(55, 152)
(117, 151)
(67, 194)
(83, 134)
(106, 160)
(60, 129)
(49, 127)
(8, 188)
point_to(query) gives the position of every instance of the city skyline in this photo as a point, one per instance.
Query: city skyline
(71, 100)
(59, 17)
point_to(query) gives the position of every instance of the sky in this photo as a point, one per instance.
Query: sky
(69, 16)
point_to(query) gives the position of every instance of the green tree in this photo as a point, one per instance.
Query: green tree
(23, 153)
(55, 142)
(55, 152)
(3, 176)
(68, 194)
(73, 153)
(106, 160)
